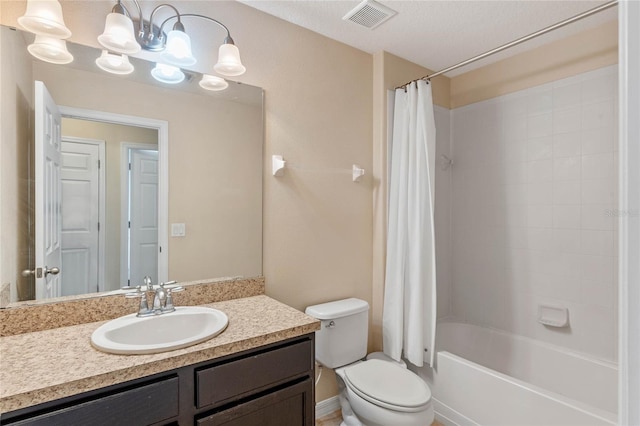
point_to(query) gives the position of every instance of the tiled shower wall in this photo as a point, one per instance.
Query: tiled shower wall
(442, 220)
(533, 211)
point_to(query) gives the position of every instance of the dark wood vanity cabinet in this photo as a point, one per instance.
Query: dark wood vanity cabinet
(269, 385)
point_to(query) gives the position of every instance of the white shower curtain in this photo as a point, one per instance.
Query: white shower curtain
(409, 311)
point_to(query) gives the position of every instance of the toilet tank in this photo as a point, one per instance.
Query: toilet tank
(342, 338)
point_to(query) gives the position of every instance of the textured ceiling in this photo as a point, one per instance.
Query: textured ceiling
(437, 34)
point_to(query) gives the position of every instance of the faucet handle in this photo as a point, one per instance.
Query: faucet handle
(146, 282)
(137, 292)
(168, 284)
(169, 307)
(143, 308)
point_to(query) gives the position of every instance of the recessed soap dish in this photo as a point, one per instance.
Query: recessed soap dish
(553, 316)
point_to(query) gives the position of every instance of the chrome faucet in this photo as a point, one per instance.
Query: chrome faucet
(162, 297)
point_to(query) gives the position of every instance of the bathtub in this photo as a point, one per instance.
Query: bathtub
(488, 377)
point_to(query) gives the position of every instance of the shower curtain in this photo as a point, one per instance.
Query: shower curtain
(409, 310)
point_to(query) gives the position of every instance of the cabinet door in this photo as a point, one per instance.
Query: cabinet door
(290, 406)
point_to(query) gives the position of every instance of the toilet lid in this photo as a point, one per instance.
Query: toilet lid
(388, 385)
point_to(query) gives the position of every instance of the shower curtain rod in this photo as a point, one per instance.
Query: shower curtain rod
(518, 41)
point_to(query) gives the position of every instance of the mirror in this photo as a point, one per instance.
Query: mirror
(213, 169)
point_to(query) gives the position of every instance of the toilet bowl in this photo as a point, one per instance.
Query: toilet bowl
(382, 393)
(377, 391)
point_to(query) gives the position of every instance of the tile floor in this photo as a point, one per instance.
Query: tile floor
(335, 418)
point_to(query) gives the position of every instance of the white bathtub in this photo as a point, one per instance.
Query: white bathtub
(488, 377)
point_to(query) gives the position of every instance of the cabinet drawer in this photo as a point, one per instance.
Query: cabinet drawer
(144, 405)
(251, 374)
(291, 406)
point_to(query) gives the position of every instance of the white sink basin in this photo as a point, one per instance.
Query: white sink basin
(186, 326)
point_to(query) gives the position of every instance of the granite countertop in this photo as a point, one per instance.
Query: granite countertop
(47, 365)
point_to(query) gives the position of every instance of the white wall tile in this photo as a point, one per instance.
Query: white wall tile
(567, 144)
(516, 193)
(540, 125)
(515, 127)
(597, 242)
(567, 168)
(597, 268)
(597, 217)
(598, 88)
(597, 141)
(567, 241)
(567, 192)
(533, 217)
(597, 293)
(516, 216)
(597, 115)
(567, 95)
(540, 148)
(539, 238)
(540, 101)
(598, 191)
(540, 193)
(567, 120)
(540, 170)
(567, 217)
(514, 150)
(598, 166)
(540, 216)
(515, 172)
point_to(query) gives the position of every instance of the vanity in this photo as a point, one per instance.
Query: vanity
(259, 371)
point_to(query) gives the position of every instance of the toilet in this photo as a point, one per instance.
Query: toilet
(376, 391)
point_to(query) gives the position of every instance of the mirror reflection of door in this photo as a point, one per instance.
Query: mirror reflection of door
(48, 253)
(83, 201)
(140, 204)
(78, 203)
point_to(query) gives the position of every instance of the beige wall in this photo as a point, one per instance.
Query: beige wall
(589, 50)
(113, 135)
(17, 139)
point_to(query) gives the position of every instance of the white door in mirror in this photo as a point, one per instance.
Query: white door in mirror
(132, 335)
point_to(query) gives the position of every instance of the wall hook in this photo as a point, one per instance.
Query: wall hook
(357, 173)
(278, 164)
(445, 162)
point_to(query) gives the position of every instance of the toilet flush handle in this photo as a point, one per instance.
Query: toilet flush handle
(331, 324)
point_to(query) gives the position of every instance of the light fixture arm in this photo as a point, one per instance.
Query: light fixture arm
(178, 25)
(121, 8)
(227, 40)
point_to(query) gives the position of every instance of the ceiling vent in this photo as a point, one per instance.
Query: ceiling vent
(369, 14)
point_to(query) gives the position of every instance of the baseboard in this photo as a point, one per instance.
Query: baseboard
(327, 406)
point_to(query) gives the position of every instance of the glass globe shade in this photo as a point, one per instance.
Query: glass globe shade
(49, 49)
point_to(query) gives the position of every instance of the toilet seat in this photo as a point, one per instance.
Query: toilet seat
(388, 385)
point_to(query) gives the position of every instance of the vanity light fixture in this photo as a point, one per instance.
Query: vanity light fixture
(213, 83)
(125, 34)
(49, 49)
(114, 63)
(175, 46)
